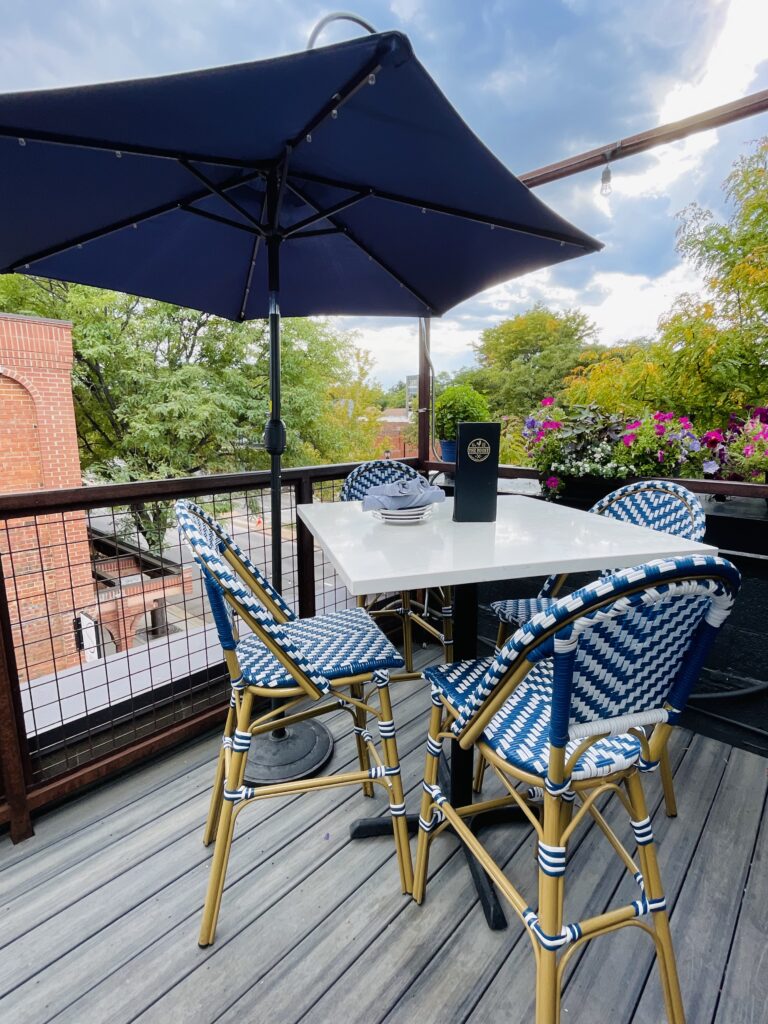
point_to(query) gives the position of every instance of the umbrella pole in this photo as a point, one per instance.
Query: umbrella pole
(274, 432)
(282, 755)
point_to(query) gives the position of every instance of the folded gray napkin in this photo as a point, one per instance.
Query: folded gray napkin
(411, 493)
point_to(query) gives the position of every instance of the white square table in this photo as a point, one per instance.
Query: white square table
(530, 537)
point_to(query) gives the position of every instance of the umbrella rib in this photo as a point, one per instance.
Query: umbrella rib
(451, 211)
(343, 204)
(318, 233)
(338, 100)
(252, 264)
(368, 252)
(220, 220)
(218, 191)
(140, 218)
(101, 145)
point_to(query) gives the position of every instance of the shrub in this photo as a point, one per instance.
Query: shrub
(458, 404)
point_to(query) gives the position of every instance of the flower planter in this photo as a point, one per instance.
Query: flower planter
(585, 491)
(448, 451)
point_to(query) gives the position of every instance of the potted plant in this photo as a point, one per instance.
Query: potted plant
(457, 404)
(574, 451)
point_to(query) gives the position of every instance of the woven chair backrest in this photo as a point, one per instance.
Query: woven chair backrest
(226, 590)
(658, 504)
(371, 474)
(625, 644)
(272, 599)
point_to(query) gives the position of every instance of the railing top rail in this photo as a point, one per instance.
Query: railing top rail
(75, 499)
(734, 488)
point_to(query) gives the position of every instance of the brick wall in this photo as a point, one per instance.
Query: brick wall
(46, 559)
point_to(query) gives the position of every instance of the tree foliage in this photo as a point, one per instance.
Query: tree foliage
(711, 355)
(164, 391)
(528, 357)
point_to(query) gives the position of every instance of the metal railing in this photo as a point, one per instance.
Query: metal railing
(108, 653)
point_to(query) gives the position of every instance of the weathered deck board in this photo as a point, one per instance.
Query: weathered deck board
(100, 910)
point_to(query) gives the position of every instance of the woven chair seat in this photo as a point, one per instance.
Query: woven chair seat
(461, 683)
(519, 732)
(518, 611)
(342, 643)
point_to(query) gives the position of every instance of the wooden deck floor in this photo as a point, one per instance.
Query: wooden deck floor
(100, 909)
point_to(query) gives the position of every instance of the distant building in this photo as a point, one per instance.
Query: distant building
(391, 441)
(412, 391)
(46, 559)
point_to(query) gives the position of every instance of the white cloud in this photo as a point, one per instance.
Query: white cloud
(395, 347)
(727, 73)
(621, 305)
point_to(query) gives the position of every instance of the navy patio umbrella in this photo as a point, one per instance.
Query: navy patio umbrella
(334, 181)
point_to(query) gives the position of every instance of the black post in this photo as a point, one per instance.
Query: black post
(274, 432)
(425, 392)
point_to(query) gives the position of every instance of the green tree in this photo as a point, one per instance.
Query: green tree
(163, 391)
(528, 357)
(711, 355)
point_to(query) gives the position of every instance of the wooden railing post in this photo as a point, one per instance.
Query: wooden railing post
(424, 412)
(305, 551)
(14, 755)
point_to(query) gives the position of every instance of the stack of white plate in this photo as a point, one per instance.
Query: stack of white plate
(403, 516)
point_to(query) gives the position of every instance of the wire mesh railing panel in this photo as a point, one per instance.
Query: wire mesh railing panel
(330, 593)
(112, 636)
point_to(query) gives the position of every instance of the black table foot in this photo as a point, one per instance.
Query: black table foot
(367, 828)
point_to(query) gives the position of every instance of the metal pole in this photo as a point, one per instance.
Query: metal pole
(274, 432)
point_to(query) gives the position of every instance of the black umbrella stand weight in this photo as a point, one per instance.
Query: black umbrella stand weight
(302, 749)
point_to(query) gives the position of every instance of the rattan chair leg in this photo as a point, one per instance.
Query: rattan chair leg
(667, 783)
(670, 983)
(361, 720)
(224, 831)
(501, 635)
(217, 797)
(550, 917)
(405, 601)
(434, 747)
(480, 766)
(396, 794)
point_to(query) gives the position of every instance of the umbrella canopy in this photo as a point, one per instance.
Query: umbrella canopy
(338, 180)
(381, 198)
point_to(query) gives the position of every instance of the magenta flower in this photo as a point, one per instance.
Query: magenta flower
(547, 401)
(634, 424)
(749, 449)
(712, 438)
(685, 422)
(552, 482)
(551, 424)
(539, 436)
(627, 440)
(660, 455)
(660, 429)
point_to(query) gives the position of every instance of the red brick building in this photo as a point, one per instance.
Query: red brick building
(393, 434)
(46, 560)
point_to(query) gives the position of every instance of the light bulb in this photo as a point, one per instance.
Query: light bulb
(605, 182)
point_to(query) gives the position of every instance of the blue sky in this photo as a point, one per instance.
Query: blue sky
(536, 81)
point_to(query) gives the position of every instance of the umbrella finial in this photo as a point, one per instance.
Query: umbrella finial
(338, 16)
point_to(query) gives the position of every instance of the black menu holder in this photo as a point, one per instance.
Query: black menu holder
(477, 471)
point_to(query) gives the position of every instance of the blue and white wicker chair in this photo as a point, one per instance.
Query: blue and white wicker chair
(405, 607)
(657, 504)
(342, 659)
(564, 708)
